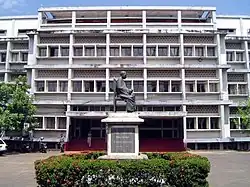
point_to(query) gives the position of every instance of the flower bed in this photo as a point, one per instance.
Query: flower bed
(167, 169)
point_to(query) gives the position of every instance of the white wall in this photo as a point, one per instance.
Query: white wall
(13, 24)
(241, 24)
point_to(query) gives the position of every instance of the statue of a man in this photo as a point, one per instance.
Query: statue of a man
(125, 93)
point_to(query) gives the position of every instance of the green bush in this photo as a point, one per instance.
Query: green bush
(161, 169)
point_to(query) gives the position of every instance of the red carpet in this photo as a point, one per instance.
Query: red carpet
(146, 145)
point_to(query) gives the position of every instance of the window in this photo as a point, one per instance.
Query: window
(202, 123)
(163, 86)
(188, 51)
(42, 52)
(174, 51)
(77, 86)
(176, 86)
(214, 123)
(138, 51)
(190, 86)
(114, 51)
(100, 86)
(61, 123)
(126, 51)
(234, 123)
(162, 51)
(242, 89)
(239, 56)
(138, 86)
(50, 123)
(40, 86)
(24, 57)
(101, 51)
(53, 51)
(232, 89)
(89, 51)
(151, 86)
(63, 86)
(65, 51)
(15, 57)
(39, 122)
(242, 125)
(199, 51)
(52, 86)
(213, 87)
(230, 56)
(3, 57)
(3, 32)
(201, 86)
(190, 123)
(151, 51)
(210, 51)
(77, 51)
(88, 86)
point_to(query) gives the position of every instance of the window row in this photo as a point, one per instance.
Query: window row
(100, 86)
(15, 57)
(51, 122)
(237, 89)
(202, 86)
(122, 108)
(203, 123)
(161, 86)
(237, 123)
(199, 51)
(233, 56)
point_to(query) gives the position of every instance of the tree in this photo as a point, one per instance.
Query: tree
(16, 106)
(244, 114)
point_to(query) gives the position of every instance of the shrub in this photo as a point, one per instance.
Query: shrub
(167, 169)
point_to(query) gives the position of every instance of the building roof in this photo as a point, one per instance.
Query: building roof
(190, 8)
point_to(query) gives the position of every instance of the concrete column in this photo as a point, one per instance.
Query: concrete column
(73, 19)
(145, 62)
(67, 128)
(182, 62)
(107, 85)
(107, 62)
(40, 19)
(7, 64)
(144, 19)
(145, 77)
(214, 21)
(33, 84)
(108, 19)
(179, 19)
(184, 125)
(247, 65)
(71, 49)
(69, 84)
(225, 128)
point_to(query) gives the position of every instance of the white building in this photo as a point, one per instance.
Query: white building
(188, 68)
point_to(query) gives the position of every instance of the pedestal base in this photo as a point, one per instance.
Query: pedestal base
(122, 135)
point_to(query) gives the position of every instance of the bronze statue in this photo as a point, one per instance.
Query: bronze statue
(125, 93)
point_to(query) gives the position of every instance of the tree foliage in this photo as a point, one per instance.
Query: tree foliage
(244, 114)
(16, 106)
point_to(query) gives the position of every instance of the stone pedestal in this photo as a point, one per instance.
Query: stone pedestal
(122, 136)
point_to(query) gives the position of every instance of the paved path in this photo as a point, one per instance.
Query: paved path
(229, 169)
(17, 170)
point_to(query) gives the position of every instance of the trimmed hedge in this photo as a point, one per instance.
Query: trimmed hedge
(161, 169)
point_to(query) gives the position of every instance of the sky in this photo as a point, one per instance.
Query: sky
(29, 7)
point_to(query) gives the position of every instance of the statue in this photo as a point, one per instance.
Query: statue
(125, 93)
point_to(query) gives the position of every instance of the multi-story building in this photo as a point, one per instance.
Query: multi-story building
(188, 68)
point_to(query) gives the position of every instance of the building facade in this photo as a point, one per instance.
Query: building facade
(187, 66)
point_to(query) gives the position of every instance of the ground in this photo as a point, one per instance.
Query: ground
(229, 169)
